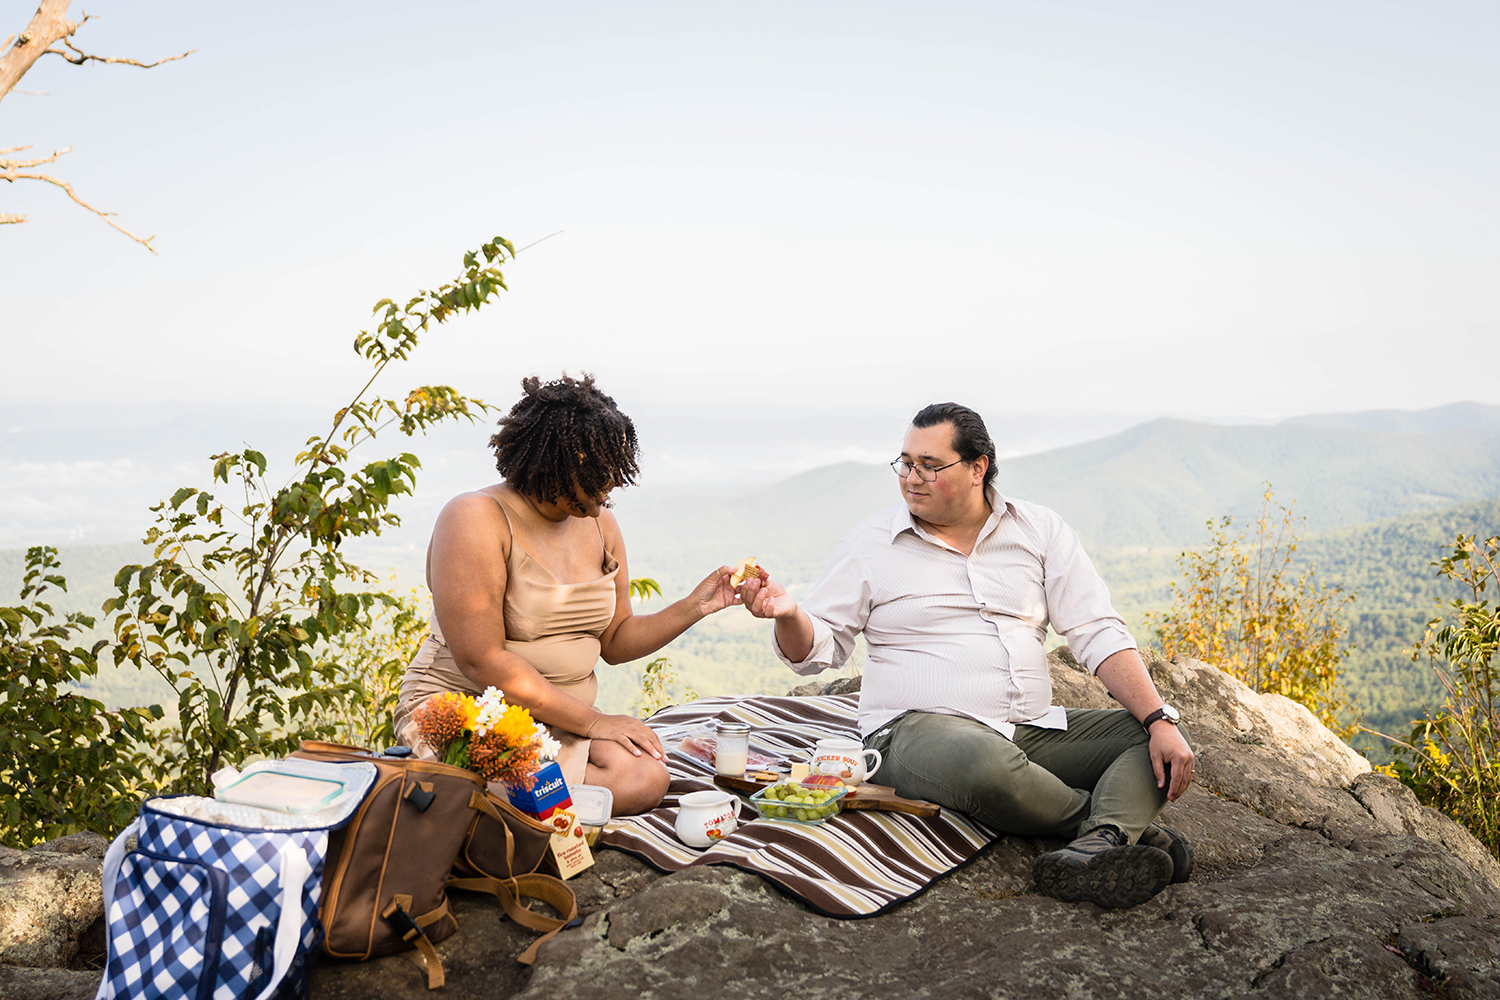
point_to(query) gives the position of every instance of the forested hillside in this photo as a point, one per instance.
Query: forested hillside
(1139, 498)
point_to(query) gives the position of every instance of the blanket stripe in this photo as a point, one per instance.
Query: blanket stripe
(857, 864)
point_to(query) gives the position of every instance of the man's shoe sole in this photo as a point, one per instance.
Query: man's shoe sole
(1116, 879)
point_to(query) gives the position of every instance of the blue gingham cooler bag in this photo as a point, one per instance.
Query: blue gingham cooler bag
(212, 900)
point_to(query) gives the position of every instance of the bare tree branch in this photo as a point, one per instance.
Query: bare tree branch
(83, 57)
(11, 171)
(6, 166)
(48, 26)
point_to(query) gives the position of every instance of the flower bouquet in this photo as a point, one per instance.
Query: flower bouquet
(499, 742)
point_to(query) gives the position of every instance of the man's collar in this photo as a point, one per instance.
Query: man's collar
(901, 519)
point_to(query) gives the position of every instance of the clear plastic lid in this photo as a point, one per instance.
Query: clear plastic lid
(592, 804)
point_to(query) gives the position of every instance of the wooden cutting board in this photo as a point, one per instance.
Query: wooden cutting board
(881, 798)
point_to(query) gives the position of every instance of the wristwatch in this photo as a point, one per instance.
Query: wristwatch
(1165, 712)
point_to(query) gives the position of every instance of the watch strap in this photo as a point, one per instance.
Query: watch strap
(1157, 716)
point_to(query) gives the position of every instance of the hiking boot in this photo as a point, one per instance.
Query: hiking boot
(1175, 844)
(1103, 868)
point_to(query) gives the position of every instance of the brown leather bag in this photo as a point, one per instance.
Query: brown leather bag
(388, 871)
(501, 854)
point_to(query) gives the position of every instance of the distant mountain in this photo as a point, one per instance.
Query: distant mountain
(1157, 483)
(1454, 417)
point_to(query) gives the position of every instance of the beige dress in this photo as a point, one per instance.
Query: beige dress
(553, 626)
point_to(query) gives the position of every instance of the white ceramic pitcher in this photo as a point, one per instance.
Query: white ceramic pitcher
(704, 818)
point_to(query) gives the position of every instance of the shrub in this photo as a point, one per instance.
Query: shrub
(244, 591)
(1246, 609)
(1451, 759)
(66, 764)
(659, 679)
(371, 664)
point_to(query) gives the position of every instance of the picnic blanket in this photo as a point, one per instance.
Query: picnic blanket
(857, 864)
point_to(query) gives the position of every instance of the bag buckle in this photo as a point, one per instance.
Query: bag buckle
(397, 917)
(421, 795)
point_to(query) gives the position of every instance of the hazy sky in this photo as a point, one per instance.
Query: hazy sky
(1215, 210)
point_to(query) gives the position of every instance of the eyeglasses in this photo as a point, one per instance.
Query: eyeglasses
(926, 473)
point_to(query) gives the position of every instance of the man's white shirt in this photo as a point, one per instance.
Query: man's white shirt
(956, 634)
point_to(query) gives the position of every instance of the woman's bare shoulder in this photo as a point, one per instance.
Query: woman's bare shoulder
(477, 511)
(609, 527)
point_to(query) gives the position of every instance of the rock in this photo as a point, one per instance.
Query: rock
(47, 984)
(1315, 877)
(51, 907)
(1462, 953)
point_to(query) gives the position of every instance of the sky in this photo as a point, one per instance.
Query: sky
(1218, 211)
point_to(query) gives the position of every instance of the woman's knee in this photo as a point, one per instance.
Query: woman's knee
(637, 784)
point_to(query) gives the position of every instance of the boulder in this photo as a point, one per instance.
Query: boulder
(1315, 877)
(51, 907)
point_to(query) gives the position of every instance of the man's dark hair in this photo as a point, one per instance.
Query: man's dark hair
(970, 437)
(562, 434)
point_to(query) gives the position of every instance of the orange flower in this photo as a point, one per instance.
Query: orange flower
(440, 720)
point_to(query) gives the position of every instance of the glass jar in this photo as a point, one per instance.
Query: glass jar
(732, 748)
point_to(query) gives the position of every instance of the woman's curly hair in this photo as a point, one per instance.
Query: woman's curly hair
(562, 435)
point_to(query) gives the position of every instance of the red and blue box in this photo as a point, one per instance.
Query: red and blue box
(548, 794)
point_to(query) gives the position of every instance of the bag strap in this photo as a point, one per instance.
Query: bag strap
(414, 929)
(552, 891)
(295, 872)
(481, 800)
(109, 875)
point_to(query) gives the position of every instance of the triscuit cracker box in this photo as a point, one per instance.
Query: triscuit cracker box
(570, 846)
(547, 795)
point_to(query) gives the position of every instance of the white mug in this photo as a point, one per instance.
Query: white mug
(844, 759)
(705, 818)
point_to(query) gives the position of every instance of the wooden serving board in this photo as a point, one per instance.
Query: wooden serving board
(881, 798)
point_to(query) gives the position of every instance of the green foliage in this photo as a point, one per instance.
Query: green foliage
(643, 588)
(1451, 759)
(370, 664)
(1249, 611)
(241, 593)
(659, 678)
(65, 763)
(658, 682)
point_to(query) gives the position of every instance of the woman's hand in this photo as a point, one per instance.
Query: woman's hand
(715, 593)
(628, 731)
(765, 598)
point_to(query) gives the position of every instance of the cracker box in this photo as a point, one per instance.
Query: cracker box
(548, 795)
(570, 846)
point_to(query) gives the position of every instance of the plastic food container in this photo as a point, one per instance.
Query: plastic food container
(768, 803)
(592, 805)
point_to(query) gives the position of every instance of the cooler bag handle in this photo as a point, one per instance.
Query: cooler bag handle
(295, 872)
(109, 875)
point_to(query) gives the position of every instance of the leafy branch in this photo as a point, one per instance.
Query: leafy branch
(243, 666)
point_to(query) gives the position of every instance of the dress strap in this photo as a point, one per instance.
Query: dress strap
(503, 511)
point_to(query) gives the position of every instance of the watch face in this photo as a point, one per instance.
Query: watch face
(1171, 713)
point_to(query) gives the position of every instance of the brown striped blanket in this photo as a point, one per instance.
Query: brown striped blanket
(856, 864)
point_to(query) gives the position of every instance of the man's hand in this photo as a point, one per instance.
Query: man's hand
(794, 630)
(767, 598)
(1171, 756)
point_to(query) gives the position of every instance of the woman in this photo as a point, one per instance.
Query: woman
(530, 587)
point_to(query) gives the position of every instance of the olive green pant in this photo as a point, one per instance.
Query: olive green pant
(1095, 773)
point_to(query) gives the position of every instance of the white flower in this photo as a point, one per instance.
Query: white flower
(491, 706)
(549, 746)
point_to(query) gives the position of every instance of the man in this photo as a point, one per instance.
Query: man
(954, 590)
